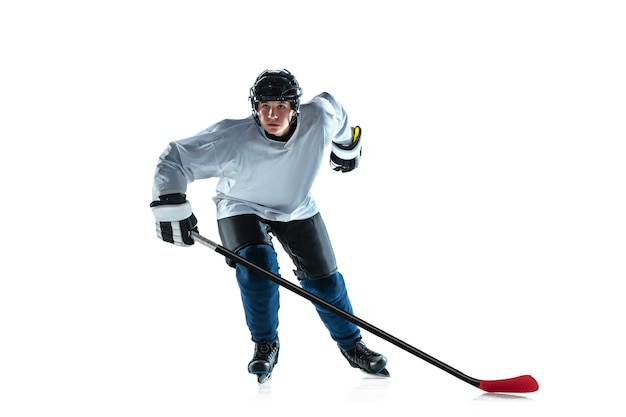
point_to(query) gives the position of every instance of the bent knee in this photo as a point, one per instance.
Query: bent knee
(332, 283)
(261, 255)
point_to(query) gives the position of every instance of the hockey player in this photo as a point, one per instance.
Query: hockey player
(266, 165)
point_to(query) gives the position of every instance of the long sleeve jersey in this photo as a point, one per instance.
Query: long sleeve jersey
(256, 174)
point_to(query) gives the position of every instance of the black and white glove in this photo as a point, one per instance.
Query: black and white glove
(346, 158)
(174, 219)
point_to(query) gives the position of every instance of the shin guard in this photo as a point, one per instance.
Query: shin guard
(260, 296)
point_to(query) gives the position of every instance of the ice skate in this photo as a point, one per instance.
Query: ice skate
(264, 359)
(366, 360)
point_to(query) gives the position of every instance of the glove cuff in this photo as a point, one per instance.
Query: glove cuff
(172, 212)
(176, 198)
(351, 151)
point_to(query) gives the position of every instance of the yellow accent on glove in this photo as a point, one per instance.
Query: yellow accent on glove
(356, 133)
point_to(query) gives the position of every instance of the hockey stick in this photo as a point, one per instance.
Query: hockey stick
(523, 383)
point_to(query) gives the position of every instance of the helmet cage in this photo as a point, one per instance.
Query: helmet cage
(276, 85)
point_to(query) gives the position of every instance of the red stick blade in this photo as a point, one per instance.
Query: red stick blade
(524, 383)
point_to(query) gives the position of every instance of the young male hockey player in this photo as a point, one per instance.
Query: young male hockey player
(266, 165)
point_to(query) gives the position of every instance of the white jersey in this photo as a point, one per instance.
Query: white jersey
(257, 175)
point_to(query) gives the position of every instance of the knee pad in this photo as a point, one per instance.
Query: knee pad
(329, 288)
(262, 255)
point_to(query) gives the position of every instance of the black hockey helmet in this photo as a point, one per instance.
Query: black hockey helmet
(276, 85)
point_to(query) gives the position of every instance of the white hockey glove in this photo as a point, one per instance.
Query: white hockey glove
(174, 219)
(346, 158)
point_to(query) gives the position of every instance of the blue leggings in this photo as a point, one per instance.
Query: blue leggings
(261, 300)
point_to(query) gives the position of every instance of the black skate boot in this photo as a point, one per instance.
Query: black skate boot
(366, 360)
(264, 359)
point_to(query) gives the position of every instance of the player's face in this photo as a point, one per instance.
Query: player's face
(275, 116)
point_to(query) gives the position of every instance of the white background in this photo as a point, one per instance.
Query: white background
(485, 225)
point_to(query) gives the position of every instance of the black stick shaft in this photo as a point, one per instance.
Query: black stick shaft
(323, 303)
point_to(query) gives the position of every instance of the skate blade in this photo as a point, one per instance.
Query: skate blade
(263, 378)
(383, 373)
